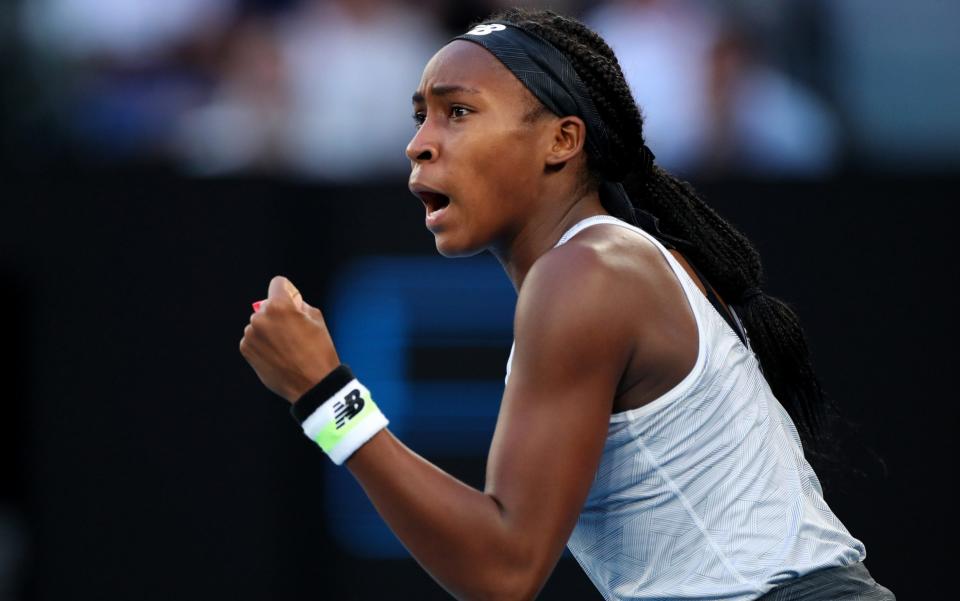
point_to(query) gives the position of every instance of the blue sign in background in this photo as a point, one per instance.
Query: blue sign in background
(384, 311)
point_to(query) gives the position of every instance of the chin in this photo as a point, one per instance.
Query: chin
(452, 250)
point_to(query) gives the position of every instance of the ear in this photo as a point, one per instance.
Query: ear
(567, 139)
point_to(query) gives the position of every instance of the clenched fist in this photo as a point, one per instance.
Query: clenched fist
(287, 342)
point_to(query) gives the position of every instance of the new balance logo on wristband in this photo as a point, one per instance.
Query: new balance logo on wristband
(339, 415)
(348, 408)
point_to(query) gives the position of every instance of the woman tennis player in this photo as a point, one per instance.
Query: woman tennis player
(655, 399)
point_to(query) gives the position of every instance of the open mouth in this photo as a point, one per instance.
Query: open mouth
(434, 201)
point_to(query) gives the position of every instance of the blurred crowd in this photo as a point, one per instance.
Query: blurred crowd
(320, 89)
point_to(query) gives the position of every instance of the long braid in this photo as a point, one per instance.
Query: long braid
(727, 258)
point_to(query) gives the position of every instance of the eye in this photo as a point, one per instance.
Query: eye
(418, 118)
(458, 112)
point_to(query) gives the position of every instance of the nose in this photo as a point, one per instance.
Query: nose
(423, 147)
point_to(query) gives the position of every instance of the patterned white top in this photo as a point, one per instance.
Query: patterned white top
(704, 493)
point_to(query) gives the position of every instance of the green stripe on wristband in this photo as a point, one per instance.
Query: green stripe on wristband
(331, 434)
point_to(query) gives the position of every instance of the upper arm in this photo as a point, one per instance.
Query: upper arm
(571, 350)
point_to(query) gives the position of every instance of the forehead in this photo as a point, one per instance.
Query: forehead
(470, 65)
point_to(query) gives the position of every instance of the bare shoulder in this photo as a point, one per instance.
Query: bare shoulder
(590, 289)
(607, 264)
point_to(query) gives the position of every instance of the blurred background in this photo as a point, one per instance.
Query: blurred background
(162, 160)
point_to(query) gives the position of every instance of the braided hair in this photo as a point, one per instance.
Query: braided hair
(723, 254)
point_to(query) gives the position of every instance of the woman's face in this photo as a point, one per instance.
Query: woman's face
(478, 157)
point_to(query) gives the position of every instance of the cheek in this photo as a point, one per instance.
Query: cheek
(504, 168)
(497, 179)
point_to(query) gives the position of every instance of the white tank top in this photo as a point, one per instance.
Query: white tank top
(704, 492)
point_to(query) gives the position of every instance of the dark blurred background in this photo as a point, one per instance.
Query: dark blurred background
(162, 160)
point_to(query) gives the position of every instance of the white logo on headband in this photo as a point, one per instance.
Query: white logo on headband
(486, 29)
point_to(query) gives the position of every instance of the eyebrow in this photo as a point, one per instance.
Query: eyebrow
(445, 90)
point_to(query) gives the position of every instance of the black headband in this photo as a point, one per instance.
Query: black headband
(551, 77)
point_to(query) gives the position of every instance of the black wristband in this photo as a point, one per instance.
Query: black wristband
(321, 393)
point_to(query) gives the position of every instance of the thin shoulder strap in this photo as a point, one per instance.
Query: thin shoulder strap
(715, 301)
(651, 224)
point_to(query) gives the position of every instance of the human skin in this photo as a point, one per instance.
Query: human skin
(601, 325)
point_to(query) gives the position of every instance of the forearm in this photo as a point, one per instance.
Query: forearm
(460, 535)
